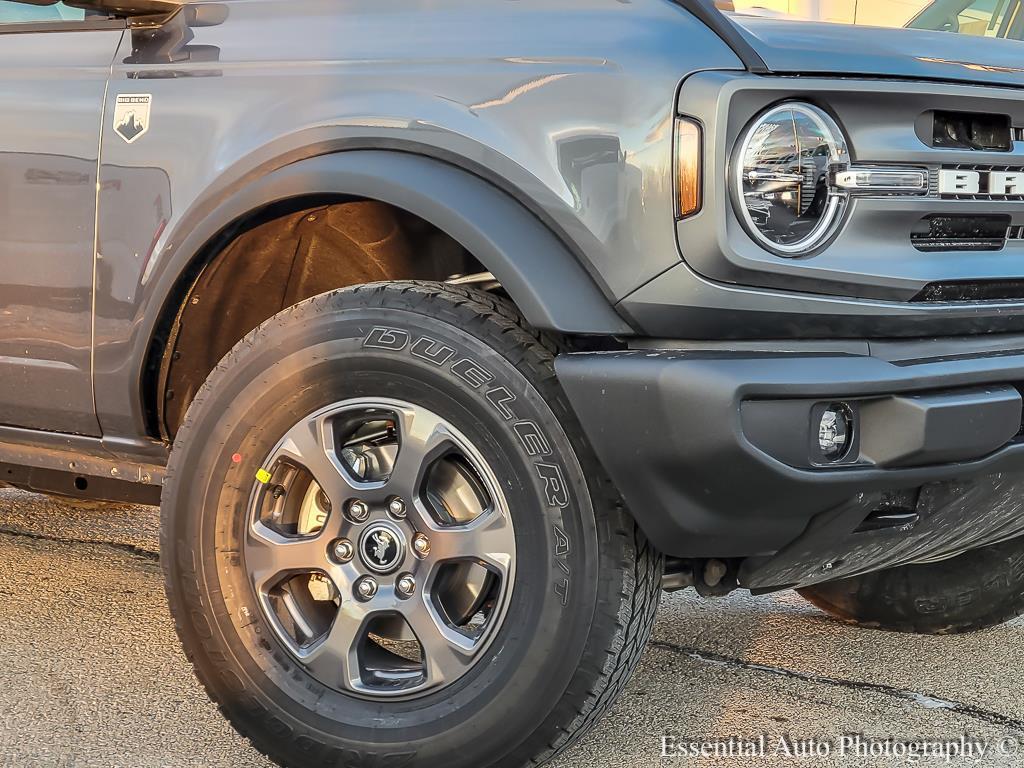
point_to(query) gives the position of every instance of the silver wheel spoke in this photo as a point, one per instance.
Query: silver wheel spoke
(310, 444)
(488, 539)
(269, 555)
(334, 659)
(447, 653)
(423, 437)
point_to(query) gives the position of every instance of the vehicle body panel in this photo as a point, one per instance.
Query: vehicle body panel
(566, 106)
(51, 98)
(797, 47)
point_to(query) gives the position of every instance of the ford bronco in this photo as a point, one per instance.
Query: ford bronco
(449, 333)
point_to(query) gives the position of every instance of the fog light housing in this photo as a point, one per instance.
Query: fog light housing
(835, 431)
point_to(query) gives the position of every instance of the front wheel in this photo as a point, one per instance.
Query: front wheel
(386, 543)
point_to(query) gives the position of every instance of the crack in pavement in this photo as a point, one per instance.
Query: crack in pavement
(920, 699)
(131, 549)
(923, 700)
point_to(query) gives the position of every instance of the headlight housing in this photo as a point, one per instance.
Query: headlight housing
(784, 178)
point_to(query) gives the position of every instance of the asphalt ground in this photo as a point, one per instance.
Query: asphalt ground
(92, 674)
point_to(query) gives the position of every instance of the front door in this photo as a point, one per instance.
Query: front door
(54, 65)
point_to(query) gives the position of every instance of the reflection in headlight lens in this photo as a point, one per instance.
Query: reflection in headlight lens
(786, 162)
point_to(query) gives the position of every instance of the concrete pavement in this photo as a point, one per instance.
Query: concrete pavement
(92, 674)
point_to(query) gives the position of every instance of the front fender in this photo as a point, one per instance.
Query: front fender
(542, 276)
(536, 269)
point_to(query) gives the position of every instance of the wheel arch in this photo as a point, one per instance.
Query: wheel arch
(535, 267)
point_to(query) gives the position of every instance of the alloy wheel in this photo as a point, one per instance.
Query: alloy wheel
(381, 548)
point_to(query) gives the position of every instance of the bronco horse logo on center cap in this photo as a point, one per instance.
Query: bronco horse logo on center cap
(381, 549)
(131, 115)
(382, 543)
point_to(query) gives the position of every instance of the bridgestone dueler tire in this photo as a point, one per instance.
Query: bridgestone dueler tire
(977, 590)
(585, 591)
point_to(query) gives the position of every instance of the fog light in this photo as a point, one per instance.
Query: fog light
(835, 431)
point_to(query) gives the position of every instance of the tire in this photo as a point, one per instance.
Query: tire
(977, 590)
(577, 613)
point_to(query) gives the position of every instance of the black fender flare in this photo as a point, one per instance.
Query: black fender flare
(547, 282)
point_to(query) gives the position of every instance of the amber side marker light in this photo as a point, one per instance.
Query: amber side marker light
(688, 167)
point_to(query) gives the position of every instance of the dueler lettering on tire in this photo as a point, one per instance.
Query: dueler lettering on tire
(474, 374)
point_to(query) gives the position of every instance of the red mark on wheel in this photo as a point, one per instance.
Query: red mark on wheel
(237, 458)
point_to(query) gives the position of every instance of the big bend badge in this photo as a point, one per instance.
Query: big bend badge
(131, 115)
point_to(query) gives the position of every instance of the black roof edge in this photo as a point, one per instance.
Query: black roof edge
(717, 21)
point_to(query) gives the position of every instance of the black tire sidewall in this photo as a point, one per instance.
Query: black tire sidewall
(979, 589)
(292, 367)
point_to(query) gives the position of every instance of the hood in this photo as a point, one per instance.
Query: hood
(799, 47)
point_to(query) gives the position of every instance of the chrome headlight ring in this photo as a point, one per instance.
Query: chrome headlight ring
(784, 175)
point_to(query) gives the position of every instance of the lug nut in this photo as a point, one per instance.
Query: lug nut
(358, 511)
(406, 585)
(397, 508)
(421, 544)
(343, 551)
(366, 588)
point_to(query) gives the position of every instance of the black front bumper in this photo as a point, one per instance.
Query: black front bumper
(714, 451)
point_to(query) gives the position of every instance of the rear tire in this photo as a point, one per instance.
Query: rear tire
(977, 590)
(582, 601)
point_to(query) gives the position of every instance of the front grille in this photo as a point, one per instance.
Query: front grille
(961, 233)
(972, 291)
(974, 131)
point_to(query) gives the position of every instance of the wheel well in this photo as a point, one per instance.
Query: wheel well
(271, 260)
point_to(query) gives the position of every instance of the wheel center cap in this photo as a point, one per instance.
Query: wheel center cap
(382, 547)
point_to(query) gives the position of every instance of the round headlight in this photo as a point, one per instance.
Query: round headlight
(784, 171)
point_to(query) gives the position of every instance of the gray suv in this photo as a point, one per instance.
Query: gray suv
(448, 334)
